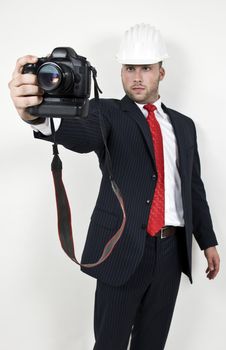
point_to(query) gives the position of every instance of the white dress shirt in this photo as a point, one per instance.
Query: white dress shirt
(173, 200)
(45, 127)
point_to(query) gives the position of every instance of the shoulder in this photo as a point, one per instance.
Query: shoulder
(179, 116)
(105, 103)
(108, 108)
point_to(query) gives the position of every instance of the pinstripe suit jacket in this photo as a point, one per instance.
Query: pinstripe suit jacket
(130, 145)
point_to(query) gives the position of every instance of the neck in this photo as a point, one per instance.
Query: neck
(153, 99)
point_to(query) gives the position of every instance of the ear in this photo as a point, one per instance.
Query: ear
(162, 73)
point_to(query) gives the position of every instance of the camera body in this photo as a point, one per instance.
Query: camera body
(65, 78)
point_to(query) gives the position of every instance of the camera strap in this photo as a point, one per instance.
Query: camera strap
(63, 207)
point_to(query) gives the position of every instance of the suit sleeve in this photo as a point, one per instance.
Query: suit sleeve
(202, 222)
(81, 135)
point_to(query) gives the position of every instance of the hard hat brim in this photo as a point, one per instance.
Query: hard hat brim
(139, 61)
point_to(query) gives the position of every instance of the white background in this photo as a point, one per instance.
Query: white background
(46, 302)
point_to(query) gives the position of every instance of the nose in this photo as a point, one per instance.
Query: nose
(137, 76)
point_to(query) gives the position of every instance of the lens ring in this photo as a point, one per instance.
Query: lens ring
(49, 76)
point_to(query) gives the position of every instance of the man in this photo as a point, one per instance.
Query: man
(155, 161)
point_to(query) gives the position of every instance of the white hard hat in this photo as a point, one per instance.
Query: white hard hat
(142, 44)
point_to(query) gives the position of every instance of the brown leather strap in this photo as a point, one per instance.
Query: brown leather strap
(64, 216)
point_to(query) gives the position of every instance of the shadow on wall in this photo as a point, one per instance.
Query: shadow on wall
(178, 75)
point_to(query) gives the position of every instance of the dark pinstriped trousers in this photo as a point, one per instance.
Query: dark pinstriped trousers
(143, 306)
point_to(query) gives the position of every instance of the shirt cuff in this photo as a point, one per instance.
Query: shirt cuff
(45, 127)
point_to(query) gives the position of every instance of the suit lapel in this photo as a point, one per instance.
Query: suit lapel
(135, 113)
(177, 124)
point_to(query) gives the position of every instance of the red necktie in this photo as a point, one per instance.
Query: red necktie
(156, 218)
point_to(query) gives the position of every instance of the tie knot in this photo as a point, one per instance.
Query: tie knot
(150, 107)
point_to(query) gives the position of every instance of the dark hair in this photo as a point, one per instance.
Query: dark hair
(160, 64)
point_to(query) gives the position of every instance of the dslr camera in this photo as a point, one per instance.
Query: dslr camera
(65, 78)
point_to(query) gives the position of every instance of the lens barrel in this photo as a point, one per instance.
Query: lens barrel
(49, 76)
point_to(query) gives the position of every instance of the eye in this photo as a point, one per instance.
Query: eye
(147, 68)
(130, 68)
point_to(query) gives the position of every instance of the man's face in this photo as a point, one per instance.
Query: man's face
(141, 82)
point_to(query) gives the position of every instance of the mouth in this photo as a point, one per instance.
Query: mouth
(138, 88)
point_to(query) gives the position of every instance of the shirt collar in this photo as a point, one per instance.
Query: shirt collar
(157, 104)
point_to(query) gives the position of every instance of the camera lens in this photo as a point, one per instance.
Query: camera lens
(49, 76)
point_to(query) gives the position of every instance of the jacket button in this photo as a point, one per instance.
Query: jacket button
(144, 226)
(148, 201)
(154, 176)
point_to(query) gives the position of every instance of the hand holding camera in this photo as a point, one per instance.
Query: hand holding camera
(24, 89)
(54, 86)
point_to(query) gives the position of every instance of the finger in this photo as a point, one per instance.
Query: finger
(211, 264)
(217, 264)
(211, 267)
(208, 270)
(215, 272)
(29, 101)
(22, 61)
(214, 263)
(23, 79)
(26, 90)
(211, 275)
